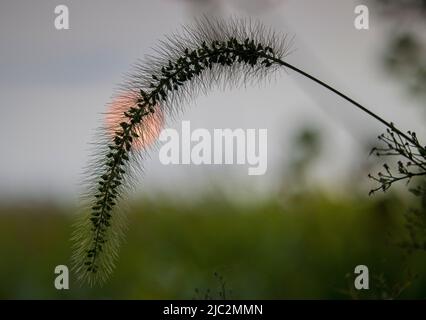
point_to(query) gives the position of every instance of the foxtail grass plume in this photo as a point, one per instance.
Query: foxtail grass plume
(206, 54)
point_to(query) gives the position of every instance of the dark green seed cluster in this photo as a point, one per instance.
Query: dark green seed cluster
(172, 76)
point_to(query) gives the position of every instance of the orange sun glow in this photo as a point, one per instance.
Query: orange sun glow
(148, 130)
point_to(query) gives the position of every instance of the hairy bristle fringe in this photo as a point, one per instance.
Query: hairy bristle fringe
(211, 52)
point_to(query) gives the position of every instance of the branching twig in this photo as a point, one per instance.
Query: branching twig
(412, 162)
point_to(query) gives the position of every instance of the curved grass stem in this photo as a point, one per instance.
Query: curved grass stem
(389, 125)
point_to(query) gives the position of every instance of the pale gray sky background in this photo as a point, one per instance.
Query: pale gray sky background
(54, 85)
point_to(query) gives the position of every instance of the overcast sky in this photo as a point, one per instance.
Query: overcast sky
(54, 85)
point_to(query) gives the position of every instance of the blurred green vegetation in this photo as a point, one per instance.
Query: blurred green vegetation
(300, 247)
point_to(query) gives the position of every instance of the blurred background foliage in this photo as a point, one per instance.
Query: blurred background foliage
(404, 56)
(302, 242)
(307, 248)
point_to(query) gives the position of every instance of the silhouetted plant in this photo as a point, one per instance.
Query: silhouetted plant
(411, 156)
(213, 51)
(415, 223)
(410, 164)
(223, 293)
